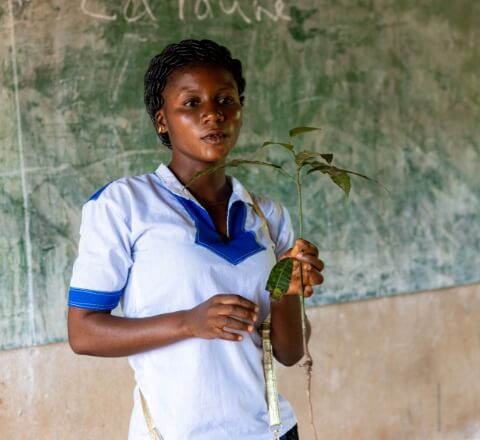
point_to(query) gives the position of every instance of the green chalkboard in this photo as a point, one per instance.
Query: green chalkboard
(393, 84)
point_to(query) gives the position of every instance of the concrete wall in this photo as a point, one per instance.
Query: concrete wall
(404, 367)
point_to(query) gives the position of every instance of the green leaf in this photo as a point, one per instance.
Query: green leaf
(289, 147)
(334, 171)
(299, 130)
(342, 179)
(367, 178)
(306, 157)
(232, 163)
(240, 162)
(279, 278)
(328, 157)
(360, 175)
(339, 176)
(322, 167)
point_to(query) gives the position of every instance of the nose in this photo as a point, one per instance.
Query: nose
(213, 113)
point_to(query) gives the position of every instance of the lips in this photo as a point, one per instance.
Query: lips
(214, 137)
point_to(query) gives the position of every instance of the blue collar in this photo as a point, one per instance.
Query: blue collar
(240, 244)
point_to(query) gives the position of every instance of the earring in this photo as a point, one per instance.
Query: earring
(161, 129)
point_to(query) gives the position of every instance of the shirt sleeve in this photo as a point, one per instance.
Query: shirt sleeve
(100, 271)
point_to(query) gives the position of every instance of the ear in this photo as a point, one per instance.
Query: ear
(160, 124)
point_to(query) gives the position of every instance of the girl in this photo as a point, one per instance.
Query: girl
(190, 265)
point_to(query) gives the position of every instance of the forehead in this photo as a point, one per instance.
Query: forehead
(194, 76)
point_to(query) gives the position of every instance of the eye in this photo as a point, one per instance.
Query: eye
(191, 102)
(225, 100)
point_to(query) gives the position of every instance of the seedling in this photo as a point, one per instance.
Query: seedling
(303, 163)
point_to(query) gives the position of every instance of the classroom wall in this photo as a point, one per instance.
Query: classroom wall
(392, 84)
(394, 368)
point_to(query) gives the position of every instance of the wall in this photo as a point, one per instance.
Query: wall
(393, 85)
(395, 368)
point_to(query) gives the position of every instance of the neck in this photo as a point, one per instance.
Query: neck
(211, 189)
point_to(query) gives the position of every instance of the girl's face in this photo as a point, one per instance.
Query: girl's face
(201, 113)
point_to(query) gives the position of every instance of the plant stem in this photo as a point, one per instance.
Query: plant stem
(299, 202)
(307, 361)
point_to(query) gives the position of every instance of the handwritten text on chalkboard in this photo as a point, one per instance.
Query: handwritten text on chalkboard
(249, 12)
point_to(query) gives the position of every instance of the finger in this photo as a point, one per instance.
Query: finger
(224, 322)
(306, 269)
(307, 291)
(305, 246)
(228, 336)
(310, 278)
(231, 299)
(314, 278)
(310, 259)
(235, 311)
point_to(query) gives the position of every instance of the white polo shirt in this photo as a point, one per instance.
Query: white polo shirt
(146, 241)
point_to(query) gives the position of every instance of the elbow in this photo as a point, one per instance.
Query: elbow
(77, 345)
(288, 363)
(75, 348)
(78, 331)
(290, 359)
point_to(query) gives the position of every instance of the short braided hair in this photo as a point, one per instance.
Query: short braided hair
(178, 55)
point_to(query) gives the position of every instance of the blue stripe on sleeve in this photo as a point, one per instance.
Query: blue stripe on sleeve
(93, 299)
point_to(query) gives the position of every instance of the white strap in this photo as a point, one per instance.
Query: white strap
(152, 429)
(270, 380)
(260, 213)
(268, 367)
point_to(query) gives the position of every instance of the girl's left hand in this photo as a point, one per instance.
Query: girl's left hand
(305, 253)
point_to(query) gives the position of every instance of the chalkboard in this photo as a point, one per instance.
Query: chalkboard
(394, 85)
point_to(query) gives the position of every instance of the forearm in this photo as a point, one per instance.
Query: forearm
(102, 334)
(286, 329)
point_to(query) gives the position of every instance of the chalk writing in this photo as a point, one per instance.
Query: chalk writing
(132, 6)
(235, 7)
(83, 8)
(134, 10)
(203, 9)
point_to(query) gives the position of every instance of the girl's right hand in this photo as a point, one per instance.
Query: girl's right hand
(216, 317)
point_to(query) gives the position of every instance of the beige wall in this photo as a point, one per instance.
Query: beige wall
(404, 367)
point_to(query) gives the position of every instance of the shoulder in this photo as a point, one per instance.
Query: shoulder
(121, 191)
(119, 201)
